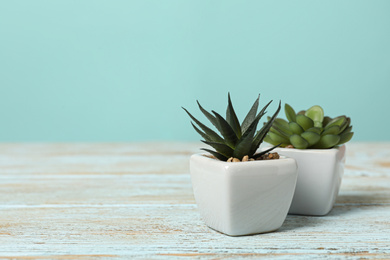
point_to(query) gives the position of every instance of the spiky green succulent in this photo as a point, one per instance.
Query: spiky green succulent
(235, 140)
(309, 129)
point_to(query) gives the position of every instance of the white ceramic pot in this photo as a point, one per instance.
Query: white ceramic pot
(243, 198)
(319, 178)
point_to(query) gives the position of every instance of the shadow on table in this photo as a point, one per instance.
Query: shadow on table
(299, 221)
(362, 199)
(345, 205)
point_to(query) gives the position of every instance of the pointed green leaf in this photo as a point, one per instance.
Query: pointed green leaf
(327, 141)
(205, 137)
(295, 128)
(265, 151)
(290, 113)
(226, 130)
(299, 142)
(213, 136)
(345, 137)
(304, 121)
(250, 117)
(232, 119)
(217, 155)
(262, 111)
(244, 145)
(260, 135)
(221, 148)
(209, 116)
(311, 137)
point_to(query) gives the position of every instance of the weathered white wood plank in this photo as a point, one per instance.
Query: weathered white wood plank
(95, 189)
(113, 159)
(135, 230)
(146, 189)
(368, 159)
(83, 201)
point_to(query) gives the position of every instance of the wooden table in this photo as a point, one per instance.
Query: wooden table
(83, 201)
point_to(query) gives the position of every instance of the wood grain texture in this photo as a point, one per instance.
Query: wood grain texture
(87, 201)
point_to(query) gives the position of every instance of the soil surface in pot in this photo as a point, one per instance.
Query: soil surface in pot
(267, 156)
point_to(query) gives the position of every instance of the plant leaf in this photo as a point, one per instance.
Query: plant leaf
(232, 119)
(290, 113)
(347, 130)
(346, 123)
(213, 136)
(244, 145)
(209, 116)
(315, 130)
(315, 113)
(281, 130)
(217, 155)
(299, 142)
(327, 141)
(295, 128)
(269, 140)
(304, 121)
(326, 120)
(205, 137)
(264, 152)
(250, 117)
(226, 131)
(333, 130)
(221, 148)
(336, 121)
(278, 137)
(345, 137)
(311, 137)
(281, 123)
(261, 134)
(262, 111)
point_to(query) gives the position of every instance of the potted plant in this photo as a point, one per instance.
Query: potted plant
(316, 142)
(238, 191)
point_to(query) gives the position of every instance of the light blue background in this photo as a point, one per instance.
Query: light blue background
(121, 70)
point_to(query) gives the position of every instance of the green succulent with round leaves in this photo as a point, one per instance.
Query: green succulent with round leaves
(234, 139)
(309, 129)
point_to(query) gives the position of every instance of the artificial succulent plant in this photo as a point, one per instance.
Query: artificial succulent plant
(309, 129)
(235, 140)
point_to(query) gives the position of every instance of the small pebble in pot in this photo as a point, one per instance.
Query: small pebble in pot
(269, 156)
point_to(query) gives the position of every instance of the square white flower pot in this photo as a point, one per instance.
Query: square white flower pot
(243, 198)
(319, 178)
